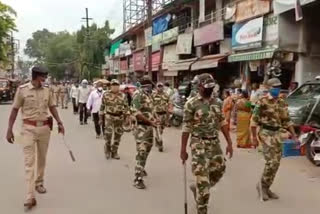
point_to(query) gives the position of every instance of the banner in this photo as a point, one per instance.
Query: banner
(247, 35)
(170, 56)
(160, 24)
(138, 61)
(170, 35)
(208, 34)
(251, 8)
(281, 6)
(148, 36)
(271, 31)
(184, 44)
(202, 10)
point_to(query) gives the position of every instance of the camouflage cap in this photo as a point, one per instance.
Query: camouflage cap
(274, 82)
(206, 80)
(115, 82)
(145, 81)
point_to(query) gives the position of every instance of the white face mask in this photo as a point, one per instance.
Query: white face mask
(100, 89)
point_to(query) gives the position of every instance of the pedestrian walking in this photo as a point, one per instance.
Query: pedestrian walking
(94, 105)
(270, 115)
(56, 92)
(114, 109)
(63, 95)
(83, 95)
(34, 100)
(142, 109)
(243, 121)
(74, 97)
(161, 106)
(203, 119)
(227, 107)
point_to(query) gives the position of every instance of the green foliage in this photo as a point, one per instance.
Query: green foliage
(71, 54)
(7, 24)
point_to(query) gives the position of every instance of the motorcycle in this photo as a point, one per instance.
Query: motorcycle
(177, 113)
(310, 136)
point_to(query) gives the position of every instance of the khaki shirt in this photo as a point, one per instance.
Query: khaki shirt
(34, 102)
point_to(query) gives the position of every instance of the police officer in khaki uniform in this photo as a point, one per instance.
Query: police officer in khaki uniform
(34, 100)
(63, 93)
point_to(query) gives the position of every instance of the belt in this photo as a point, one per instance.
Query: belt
(270, 128)
(161, 113)
(143, 123)
(205, 138)
(114, 114)
(36, 123)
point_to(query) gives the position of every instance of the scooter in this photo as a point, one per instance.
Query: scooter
(311, 140)
(310, 136)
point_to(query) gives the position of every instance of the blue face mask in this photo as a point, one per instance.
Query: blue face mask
(274, 92)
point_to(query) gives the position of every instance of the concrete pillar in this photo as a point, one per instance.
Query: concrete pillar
(219, 10)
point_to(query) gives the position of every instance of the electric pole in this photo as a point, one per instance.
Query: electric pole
(87, 19)
(14, 46)
(149, 23)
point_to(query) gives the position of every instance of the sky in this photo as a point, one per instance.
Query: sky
(60, 15)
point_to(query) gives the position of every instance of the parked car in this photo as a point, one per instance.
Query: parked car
(302, 100)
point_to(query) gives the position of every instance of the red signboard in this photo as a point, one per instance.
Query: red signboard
(208, 34)
(124, 65)
(156, 57)
(138, 61)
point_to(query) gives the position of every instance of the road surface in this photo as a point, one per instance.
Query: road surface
(95, 185)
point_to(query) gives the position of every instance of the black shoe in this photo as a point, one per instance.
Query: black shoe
(139, 184)
(144, 173)
(115, 155)
(85, 123)
(161, 149)
(81, 123)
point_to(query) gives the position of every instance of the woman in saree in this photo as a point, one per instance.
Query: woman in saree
(227, 107)
(243, 106)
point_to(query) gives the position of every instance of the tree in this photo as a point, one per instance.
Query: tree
(7, 24)
(36, 46)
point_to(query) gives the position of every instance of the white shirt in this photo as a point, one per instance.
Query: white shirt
(74, 92)
(94, 101)
(83, 94)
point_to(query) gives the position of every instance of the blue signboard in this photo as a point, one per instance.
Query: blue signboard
(246, 35)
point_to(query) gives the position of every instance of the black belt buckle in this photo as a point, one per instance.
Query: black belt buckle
(162, 113)
(270, 128)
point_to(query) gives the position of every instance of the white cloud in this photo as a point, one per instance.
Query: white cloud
(59, 15)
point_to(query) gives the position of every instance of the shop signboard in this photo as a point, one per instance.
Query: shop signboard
(170, 35)
(208, 34)
(281, 6)
(247, 35)
(148, 36)
(271, 31)
(170, 56)
(116, 66)
(249, 9)
(156, 59)
(184, 44)
(156, 42)
(125, 49)
(124, 65)
(138, 61)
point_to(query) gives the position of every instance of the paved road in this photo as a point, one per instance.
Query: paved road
(94, 185)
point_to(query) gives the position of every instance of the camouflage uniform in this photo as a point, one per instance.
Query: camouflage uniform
(161, 105)
(142, 104)
(203, 120)
(271, 115)
(115, 107)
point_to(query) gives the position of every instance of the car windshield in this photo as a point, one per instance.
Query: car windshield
(307, 91)
(3, 84)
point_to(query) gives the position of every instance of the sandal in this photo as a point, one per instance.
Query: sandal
(40, 189)
(30, 204)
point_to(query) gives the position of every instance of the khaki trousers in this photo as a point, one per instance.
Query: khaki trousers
(35, 147)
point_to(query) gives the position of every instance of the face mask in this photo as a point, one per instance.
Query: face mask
(84, 85)
(147, 89)
(207, 92)
(42, 83)
(274, 92)
(100, 89)
(115, 88)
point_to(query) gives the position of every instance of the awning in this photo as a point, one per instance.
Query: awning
(170, 73)
(181, 65)
(254, 55)
(210, 61)
(115, 46)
